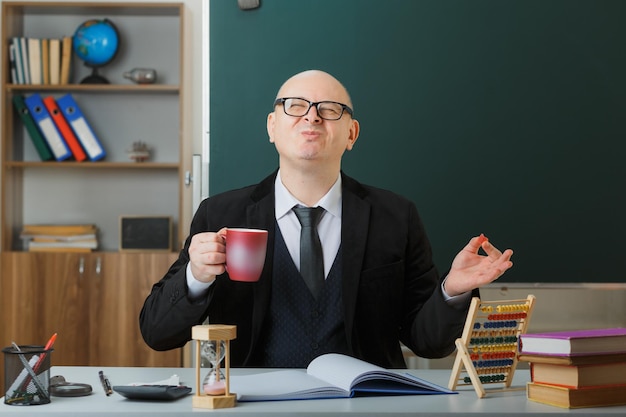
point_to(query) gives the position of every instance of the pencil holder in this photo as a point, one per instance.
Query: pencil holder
(26, 375)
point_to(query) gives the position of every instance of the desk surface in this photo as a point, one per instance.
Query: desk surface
(511, 402)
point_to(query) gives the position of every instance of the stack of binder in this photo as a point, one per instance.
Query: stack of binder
(58, 129)
(60, 237)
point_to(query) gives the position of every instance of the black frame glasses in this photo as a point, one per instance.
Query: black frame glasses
(344, 108)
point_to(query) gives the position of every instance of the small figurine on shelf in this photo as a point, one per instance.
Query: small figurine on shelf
(141, 75)
(140, 152)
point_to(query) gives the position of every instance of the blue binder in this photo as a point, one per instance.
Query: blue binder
(81, 127)
(46, 125)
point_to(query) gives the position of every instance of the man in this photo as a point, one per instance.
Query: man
(381, 286)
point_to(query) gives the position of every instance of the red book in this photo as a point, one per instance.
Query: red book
(65, 129)
(575, 342)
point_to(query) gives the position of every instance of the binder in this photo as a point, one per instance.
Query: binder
(64, 129)
(44, 121)
(81, 127)
(29, 123)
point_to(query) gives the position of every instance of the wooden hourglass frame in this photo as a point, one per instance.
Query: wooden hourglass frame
(218, 333)
(488, 349)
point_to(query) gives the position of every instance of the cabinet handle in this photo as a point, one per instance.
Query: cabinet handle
(98, 265)
(81, 266)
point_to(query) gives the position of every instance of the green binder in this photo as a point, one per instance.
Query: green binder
(31, 127)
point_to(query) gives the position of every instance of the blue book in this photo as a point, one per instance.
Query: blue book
(81, 127)
(46, 125)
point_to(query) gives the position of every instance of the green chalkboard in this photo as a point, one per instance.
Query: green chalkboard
(501, 117)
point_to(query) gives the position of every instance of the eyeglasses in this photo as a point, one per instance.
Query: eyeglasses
(327, 110)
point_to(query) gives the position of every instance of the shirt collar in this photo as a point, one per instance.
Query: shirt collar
(285, 201)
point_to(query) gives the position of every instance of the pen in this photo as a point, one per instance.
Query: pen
(48, 346)
(106, 385)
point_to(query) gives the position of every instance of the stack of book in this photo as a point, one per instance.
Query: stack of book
(60, 237)
(575, 369)
(40, 61)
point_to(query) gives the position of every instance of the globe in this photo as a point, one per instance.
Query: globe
(96, 43)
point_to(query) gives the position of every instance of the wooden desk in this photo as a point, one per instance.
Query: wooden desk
(510, 403)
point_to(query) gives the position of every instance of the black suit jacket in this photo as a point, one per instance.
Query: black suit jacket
(391, 288)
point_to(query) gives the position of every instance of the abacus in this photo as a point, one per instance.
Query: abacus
(488, 348)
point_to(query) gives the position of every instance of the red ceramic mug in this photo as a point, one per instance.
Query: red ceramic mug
(245, 253)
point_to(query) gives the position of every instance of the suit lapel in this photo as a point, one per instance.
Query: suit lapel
(355, 219)
(260, 213)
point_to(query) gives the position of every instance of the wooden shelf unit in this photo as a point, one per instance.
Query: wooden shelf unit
(93, 299)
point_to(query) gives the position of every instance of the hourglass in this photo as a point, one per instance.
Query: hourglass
(214, 351)
(213, 343)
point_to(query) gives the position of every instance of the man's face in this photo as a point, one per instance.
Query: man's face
(309, 139)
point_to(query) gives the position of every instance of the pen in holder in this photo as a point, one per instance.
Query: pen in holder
(27, 375)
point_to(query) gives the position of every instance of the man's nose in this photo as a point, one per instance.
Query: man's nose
(312, 115)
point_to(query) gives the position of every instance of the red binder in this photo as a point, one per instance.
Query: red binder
(65, 129)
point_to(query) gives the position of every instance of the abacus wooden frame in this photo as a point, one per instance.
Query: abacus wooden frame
(463, 360)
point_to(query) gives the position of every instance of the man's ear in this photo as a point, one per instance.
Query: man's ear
(354, 134)
(270, 126)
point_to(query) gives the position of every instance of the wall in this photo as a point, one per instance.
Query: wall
(504, 118)
(497, 117)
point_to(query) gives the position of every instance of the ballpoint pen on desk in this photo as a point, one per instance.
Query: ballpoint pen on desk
(106, 385)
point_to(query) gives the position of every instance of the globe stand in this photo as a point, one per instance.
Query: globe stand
(94, 78)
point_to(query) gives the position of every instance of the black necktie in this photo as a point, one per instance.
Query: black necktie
(311, 258)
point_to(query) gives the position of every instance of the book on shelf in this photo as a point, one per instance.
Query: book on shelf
(576, 398)
(12, 64)
(55, 61)
(330, 376)
(59, 237)
(575, 342)
(81, 127)
(31, 127)
(25, 63)
(66, 59)
(55, 229)
(43, 119)
(45, 61)
(34, 60)
(87, 244)
(64, 129)
(19, 66)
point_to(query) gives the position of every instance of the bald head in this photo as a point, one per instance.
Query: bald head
(315, 85)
